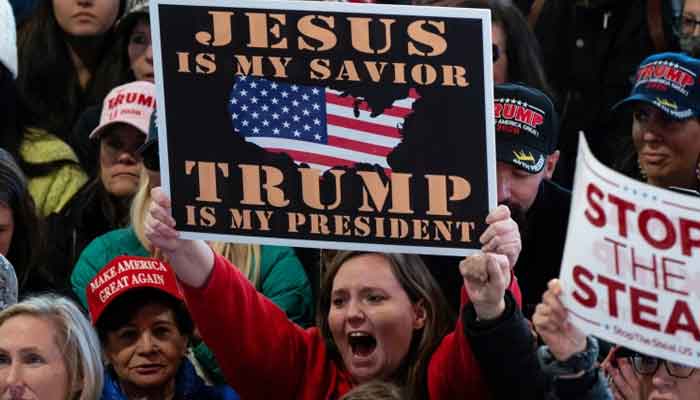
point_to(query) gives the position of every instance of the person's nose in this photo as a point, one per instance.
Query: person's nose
(650, 134)
(146, 344)
(661, 379)
(356, 313)
(128, 157)
(651, 130)
(14, 381)
(85, 3)
(149, 54)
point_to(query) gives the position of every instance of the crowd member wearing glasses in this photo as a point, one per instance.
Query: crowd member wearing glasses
(688, 28)
(103, 204)
(569, 360)
(636, 376)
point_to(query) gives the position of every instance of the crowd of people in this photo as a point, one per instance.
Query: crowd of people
(102, 299)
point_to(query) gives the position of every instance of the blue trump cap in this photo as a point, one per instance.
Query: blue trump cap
(669, 82)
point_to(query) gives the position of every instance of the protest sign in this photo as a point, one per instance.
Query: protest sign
(631, 267)
(331, 125)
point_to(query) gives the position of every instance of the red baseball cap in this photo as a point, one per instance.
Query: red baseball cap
(125, 273)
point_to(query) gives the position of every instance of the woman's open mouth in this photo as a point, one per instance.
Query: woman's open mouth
(362, 344)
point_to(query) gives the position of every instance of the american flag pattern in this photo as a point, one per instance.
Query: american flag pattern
(314, 124)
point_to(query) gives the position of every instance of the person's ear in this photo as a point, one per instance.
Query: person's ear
(420, 314)
(551, 165)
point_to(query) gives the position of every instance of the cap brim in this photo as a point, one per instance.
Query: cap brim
(97, 132)
(666, 106)
(112, 299)
(520, 156)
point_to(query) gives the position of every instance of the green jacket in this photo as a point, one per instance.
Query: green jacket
(53, 190)
(282, 280)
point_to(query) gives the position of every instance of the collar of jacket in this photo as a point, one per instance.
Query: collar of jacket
(187, 383)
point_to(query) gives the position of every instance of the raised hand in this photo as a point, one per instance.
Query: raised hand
(502, 236)
(159, 226)
(192, 260)
(486, 278)
(551, 320)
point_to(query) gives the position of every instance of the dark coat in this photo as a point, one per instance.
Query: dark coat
(505, 351)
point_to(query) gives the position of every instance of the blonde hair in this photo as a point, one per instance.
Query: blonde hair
(246, 257)
(139, 207)
(75, 337)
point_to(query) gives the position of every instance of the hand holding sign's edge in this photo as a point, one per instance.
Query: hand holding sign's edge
(551, 320)
(192, 260)
(502, 235)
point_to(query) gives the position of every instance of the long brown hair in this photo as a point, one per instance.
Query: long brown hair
(420, 286)
(48, 77)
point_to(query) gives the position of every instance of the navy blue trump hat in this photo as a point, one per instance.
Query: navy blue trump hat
(669, 82)
(527, 126)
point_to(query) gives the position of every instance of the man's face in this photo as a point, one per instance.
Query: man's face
(519, 187)
(689, 29)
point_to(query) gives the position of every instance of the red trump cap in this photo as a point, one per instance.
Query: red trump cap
(125, 273)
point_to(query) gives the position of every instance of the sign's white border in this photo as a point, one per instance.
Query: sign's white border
(339, 7)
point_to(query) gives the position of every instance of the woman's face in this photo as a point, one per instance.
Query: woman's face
(500, 66)
(139, 49)
(146, 352)
(371, 318)
(667, 149)
(120, 164)
(7, 228)
(31, 364)
(84, 18)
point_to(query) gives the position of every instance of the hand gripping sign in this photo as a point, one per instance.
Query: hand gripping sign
(631, 268)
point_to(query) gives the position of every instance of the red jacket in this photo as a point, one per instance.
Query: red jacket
(265, 356)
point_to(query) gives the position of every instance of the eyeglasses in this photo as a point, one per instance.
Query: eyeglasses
(496, 52)
(646, 365)
(687, 23)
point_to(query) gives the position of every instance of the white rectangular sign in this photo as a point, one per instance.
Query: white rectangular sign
(631, 267)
